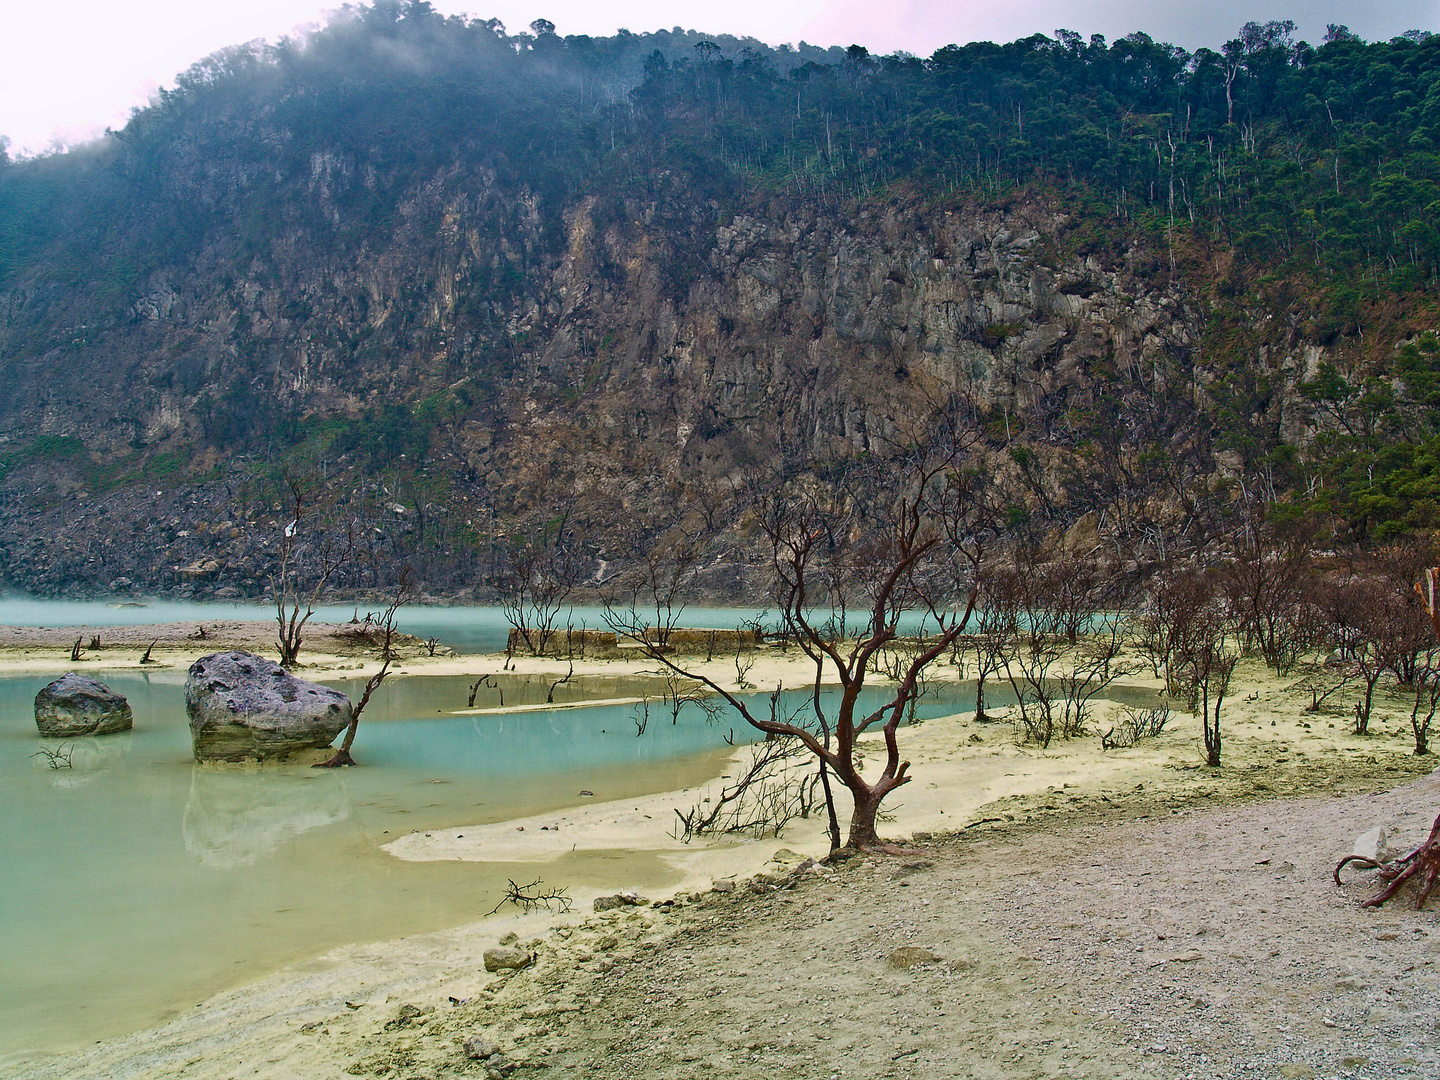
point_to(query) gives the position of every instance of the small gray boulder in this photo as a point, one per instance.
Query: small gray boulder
(79, 705)
(243, 706)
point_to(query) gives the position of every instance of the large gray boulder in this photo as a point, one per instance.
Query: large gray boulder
(79, 705)
(244, 706)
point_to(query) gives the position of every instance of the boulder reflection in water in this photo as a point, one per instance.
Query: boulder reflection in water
(238, 816)
(80, 760)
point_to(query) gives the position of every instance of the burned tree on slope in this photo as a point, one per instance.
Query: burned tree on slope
(897, 538)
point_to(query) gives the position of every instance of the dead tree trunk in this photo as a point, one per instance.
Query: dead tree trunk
(403, 593)
(904, 535)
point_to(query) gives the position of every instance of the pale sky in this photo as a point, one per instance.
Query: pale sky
(70, 68)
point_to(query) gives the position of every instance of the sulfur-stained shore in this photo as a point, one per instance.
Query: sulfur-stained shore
(1076, 912)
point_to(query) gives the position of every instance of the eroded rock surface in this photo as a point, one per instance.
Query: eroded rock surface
(244, 706)
(79, 705)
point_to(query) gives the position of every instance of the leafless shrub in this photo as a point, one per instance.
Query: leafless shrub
(761, 801)
(1090, 668)
(58, 757)
(744, 664)
(1134, 725)
(76, 650)
(1324, 682)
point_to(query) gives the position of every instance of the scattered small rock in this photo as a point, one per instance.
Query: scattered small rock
(507, 958)
(619, 900)
(1373, 844)
(480, 1047)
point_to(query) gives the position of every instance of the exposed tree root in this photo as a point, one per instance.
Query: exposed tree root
(1422, 864)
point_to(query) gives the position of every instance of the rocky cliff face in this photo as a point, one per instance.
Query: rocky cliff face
(617, 356)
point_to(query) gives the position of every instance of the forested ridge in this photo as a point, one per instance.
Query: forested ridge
(377, 248)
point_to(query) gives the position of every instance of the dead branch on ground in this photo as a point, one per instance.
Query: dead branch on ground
(531, 896)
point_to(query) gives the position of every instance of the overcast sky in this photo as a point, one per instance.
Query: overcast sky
(69, 68)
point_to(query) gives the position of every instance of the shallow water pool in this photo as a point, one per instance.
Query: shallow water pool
(136, 882)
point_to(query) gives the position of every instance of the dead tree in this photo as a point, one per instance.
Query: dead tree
(404, 593)
(1204, 661)
(530, 896)
(1091, 666)
(1266, 585)
(900, 535)
(994, 632)
(1174, 600)
(680, 691)
(487, 681)
(550, 697)
(308, 559)
(541, 571)
(1427, 697)
(1421, 865)
(1392, 631)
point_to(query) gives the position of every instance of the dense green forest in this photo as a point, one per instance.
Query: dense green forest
(1273, 179)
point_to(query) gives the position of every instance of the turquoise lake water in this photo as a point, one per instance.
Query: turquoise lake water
(136, 883)
(466, 629)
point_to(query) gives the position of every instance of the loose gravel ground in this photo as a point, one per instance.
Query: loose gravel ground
(1166, 943)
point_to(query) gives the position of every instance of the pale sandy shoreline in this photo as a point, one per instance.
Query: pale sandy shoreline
(965, 773)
